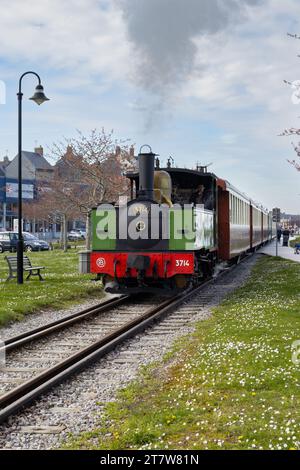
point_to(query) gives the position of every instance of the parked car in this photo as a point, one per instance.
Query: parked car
(32, 243)
(76, 235)
(8, 242)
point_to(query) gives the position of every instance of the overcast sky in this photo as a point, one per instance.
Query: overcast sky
(201, 80)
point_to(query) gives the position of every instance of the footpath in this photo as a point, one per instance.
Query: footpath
(283, 252)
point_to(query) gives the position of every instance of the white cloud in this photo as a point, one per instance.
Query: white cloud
(85, 36)
(229, 139)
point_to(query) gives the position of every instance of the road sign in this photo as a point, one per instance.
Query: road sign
(276, 215)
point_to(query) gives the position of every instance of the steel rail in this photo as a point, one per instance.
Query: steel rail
(24, 394)
(16, 342)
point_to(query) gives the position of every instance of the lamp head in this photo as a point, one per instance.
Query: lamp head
(39, 96)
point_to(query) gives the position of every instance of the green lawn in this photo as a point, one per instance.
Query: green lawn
(293, 242)
(233, 385)
(62, 285)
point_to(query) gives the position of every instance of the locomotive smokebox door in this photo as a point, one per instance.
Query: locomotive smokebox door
(142, 225)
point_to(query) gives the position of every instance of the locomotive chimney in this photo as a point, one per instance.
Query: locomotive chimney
(146, 173)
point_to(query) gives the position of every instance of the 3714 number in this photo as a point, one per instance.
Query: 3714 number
(182, 263)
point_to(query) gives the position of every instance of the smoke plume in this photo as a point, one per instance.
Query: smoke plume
(162, 33)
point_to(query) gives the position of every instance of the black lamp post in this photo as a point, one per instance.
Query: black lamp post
(39, 98)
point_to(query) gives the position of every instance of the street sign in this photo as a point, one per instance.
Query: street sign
(276, 215)
(16, 225)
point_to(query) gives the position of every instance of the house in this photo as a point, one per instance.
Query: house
(35, 167)
(3, 165)
(36, 170)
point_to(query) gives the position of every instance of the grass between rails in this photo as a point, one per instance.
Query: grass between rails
(232, 385)
(63, 285)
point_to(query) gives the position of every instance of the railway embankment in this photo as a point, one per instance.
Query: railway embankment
(234, 383)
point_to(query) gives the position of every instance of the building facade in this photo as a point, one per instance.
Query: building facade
(36, 173)
(36, 170)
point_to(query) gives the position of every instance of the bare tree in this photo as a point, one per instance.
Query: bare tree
(34, 211)
(293, 131)
(91, 171)
(60, 202)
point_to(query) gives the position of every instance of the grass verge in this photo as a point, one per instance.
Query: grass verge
(232, 385)
(63, 285)
(293, 242)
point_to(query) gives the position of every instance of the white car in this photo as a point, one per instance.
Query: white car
(76, 235)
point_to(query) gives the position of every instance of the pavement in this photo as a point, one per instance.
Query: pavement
(283, 252)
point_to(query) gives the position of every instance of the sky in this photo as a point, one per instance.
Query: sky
(198, 80)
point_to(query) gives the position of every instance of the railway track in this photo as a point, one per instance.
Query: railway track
(16, 342)
(42, 358)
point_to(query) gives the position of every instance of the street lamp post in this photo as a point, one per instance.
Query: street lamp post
(39, 98)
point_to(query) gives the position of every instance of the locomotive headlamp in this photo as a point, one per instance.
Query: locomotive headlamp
(140, 226)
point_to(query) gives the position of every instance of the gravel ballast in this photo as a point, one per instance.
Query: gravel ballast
(77, 405)
(44, 316)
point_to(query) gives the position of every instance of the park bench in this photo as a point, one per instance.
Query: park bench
(27, 267)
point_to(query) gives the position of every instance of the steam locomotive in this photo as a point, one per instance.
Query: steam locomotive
(173, 231)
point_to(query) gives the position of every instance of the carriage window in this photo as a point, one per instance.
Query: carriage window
(234, 210)
(241, 218)
(243, 213)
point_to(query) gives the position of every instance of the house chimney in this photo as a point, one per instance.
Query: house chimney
(39, 150)
(6, 160)
(69, 152)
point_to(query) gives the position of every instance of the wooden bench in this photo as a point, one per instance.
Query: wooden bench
(27, 267)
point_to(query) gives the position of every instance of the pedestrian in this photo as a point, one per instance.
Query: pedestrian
(286, 236)
(279, 233)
